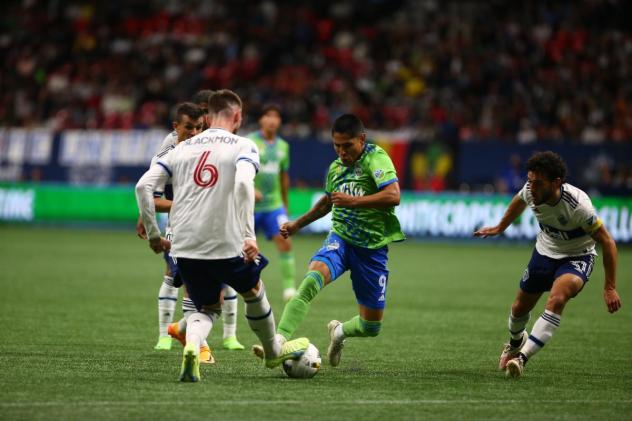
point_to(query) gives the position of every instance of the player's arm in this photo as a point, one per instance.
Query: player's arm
(387, 197)
(514, 210)
(285, 188)
(609, 249)
(320, 209)
(145, 187)
(245, 200)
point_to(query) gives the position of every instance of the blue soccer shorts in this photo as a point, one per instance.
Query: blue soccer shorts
(542, 271)
(270, 221)
(369, 274)
(204, 279)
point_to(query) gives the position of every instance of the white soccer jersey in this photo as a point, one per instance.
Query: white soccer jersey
(170, 140)
(204, 214)
(566, 226)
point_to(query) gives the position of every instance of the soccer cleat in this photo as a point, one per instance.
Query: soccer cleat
(288, 294)
(164, 343)
(515, 367)
(174, 331)
(190, 371)
(233, 344)
(258, 349)
(510, 352)
(334, 352)
(290, 350)
(206, 355)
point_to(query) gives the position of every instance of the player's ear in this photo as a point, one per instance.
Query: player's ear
(175, 125)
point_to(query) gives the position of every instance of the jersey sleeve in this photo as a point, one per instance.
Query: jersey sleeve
(285, 162)
(382, 169)
(329, 185)
(523, 193)
(586, 216)
(248, 152)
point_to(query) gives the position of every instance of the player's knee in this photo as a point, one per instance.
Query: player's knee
(371, 328)
(556, 303)
(311, 286)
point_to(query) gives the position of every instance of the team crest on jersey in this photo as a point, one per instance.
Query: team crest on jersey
(358, 171)
(562, 220)
(378, 174)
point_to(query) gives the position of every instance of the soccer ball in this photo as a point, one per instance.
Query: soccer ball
(305, 367)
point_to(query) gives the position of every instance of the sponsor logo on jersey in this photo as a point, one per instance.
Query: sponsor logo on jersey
(352, 189)
(358, 171)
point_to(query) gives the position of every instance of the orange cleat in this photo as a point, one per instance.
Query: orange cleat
(206, 355)
(174, 331)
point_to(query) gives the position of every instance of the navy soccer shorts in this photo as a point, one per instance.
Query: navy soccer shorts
(543, 271)
(204, 279)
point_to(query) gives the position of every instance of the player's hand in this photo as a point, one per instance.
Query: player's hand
(487, 232)
(613, 301)
(343, 200)
(258, 196)
(251, 250)
(288, 228)
(140, 229)
(159, 244)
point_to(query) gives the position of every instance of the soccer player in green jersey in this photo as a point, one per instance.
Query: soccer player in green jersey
(362, 191)
(271, 191)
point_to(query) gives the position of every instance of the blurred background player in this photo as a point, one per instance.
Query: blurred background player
(562, 260)
(272, 184)
(229, 295)
(188, 121)
(213, 229)
(362, 191)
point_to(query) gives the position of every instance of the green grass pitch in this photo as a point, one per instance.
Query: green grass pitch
(79, 324)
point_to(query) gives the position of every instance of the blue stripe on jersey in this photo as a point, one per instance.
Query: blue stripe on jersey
(536, 340)
(165, 167)
(164, 151)
(565, 235)
(243, 158)
(386, 183)
(157, 194)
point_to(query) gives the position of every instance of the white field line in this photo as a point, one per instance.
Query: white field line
(304, 403)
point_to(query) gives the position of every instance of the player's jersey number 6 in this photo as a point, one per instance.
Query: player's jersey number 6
(205, 175)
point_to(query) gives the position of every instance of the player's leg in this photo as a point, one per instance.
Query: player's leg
(327, 264)
(288, 266)
(518, 318)
(570, 277)
(178, 330)
(229, 317)
(167, 301)
(369, 275)
(204, 291)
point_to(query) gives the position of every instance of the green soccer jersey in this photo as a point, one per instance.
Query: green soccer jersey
(274, 157)
(364, 227)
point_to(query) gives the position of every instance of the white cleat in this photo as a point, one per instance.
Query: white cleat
(258, 349)
(509, 352)
(334, 352)
(515, 367)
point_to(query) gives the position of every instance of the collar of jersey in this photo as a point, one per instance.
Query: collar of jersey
(561, 193)
(276, 138)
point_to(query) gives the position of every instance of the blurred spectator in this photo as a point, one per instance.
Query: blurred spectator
(540, 70)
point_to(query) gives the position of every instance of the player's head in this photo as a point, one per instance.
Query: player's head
(270, 119)
(224, 109)
(188, 120)
(201, 99)
(349, 138)
(546, 172)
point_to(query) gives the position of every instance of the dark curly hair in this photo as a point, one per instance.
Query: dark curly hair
(549, 164)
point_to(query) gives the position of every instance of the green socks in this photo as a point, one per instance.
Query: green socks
(288, 269)
(296, 309)
(360, 327)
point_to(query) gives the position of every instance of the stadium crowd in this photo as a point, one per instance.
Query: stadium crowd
(519, 72)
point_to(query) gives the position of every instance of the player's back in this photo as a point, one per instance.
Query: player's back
(203, 215)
